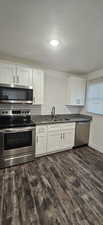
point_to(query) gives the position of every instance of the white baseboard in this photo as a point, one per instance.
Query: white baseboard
(96, 147)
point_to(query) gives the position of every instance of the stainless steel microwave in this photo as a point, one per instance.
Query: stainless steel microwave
(16, 94)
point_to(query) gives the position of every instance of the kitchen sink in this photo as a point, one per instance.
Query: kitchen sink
(56, 120)
(45, 121)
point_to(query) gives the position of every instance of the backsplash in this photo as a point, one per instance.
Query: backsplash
(60, 109)
(43, 109)
(35, 109)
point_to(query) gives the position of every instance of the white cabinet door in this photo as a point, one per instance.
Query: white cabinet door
(41, 140)
(54, 141)
(41, 144)
(38, 86)
(68, 135)
(23, 76)
(7, 73)
(76, 91)
(54, 138)
(68, 138)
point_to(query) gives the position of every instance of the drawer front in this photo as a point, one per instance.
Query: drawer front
(41, 129)
(68, 126)
(54, 127)
(51, 127)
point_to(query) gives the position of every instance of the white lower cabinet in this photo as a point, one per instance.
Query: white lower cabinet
(41, 144)
(41, 140)
(68, 135)
(67, 139)
(60, 136)
(54, 138)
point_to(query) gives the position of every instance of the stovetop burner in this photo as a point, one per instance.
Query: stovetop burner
(9, 119)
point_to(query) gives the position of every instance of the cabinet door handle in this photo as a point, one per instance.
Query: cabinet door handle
(17, 79)
(61, 136)
(78, 101)
(37, 139)
(13, 79)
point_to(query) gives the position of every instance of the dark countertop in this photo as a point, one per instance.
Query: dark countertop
(63, 118)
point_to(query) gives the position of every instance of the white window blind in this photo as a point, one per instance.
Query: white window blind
(94, 100)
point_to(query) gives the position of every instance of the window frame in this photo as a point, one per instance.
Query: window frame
(90, 82)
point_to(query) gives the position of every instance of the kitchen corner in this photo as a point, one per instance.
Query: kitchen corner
(25, 136)
(51, 112)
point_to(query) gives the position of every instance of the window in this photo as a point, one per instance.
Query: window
(94, 100)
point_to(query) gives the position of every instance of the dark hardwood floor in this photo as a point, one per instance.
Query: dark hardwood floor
(61, 189)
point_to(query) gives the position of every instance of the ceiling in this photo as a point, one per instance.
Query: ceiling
(27, 26)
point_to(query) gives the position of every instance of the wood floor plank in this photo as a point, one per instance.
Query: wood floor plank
(61, 189)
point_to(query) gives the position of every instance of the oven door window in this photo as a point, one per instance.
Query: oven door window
(17, 140)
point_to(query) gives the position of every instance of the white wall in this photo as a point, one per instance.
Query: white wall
(55, 86)
(96, 128)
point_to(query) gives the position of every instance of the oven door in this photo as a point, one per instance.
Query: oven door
(18, 141)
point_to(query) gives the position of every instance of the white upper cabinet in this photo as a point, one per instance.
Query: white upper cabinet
(7, 73)
(38, 86)
(23, 76)
(15, 74)
(76, 91)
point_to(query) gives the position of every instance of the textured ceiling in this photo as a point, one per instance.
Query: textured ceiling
(26, 26)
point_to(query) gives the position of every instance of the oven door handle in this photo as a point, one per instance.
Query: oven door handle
(18, 130)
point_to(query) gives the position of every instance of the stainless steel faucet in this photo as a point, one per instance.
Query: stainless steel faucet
(53, 112)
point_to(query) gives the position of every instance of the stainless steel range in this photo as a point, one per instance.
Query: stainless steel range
(17, 137)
